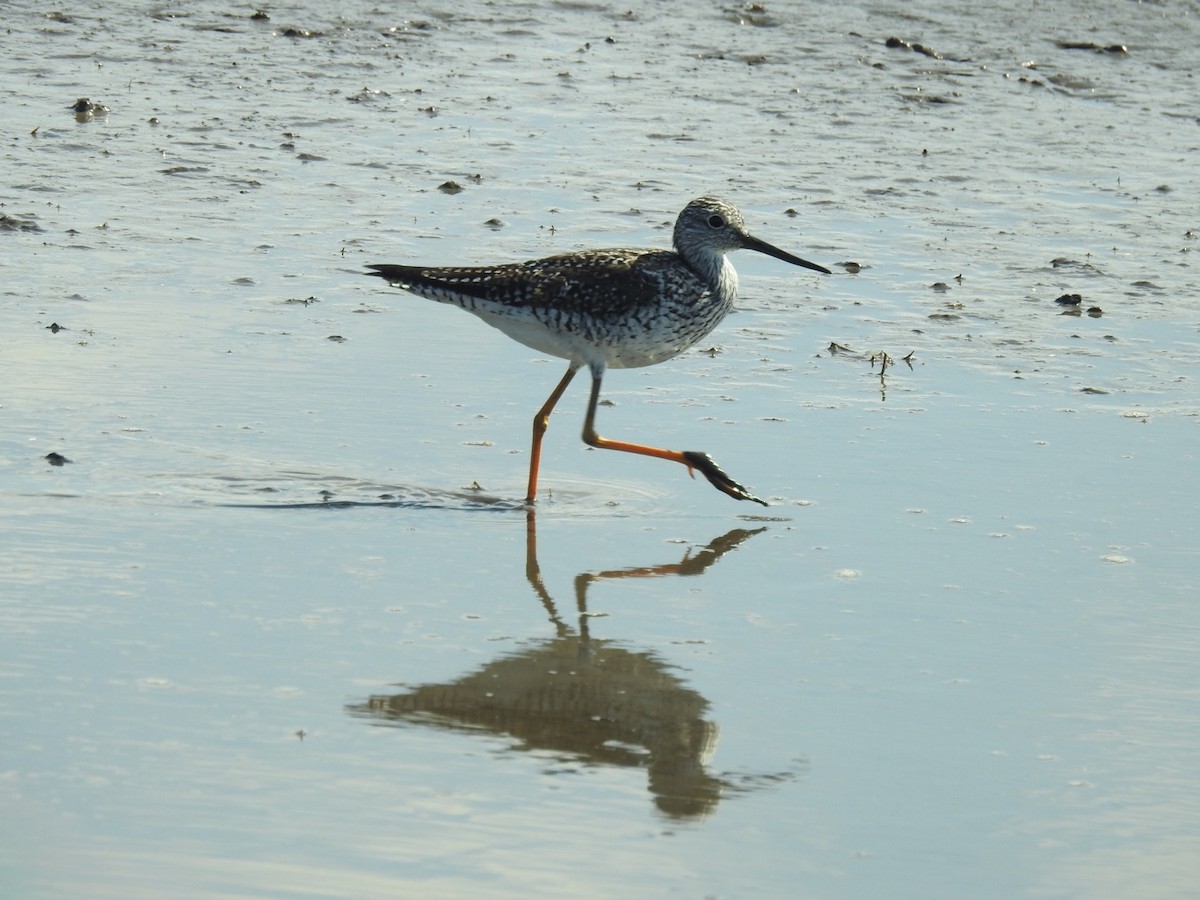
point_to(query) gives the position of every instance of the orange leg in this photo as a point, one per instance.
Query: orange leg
(540, 422)
(693, 459)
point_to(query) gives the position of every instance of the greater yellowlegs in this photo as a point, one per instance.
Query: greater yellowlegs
(608, 308)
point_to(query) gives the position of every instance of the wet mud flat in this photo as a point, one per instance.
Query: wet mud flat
(275, 617)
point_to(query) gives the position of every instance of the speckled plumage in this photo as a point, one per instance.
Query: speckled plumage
(617, 308)
(620, 308)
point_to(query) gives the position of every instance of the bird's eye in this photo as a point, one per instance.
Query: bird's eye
(716, 221)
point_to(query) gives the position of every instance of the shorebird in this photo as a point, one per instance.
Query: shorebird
(85, 109)
(603, 309)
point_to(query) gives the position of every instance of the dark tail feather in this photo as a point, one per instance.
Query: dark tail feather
(394, 274)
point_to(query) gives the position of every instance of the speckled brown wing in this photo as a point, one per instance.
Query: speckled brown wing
(597, 284)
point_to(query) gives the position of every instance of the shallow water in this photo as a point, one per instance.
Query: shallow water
(248, 629)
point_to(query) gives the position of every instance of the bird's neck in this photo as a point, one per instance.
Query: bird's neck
(726, 283)
(715, 270)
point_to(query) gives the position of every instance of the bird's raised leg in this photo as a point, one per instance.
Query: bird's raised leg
(540, 423)
(693, 459)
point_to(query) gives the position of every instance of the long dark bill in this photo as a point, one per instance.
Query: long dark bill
(753, 243)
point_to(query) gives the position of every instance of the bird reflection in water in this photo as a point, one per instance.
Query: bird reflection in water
(599, 701)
